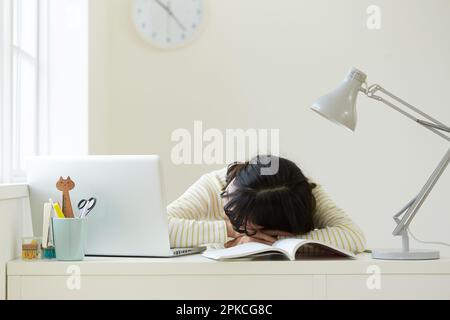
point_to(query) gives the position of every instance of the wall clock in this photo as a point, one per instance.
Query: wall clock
(168, 23)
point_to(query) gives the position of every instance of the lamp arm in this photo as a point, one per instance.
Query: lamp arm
(377, 87)
(435, 125)
(414, 205)
(410, 210)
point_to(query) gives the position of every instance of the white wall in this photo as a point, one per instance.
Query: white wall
(260, 64)
(67, 77)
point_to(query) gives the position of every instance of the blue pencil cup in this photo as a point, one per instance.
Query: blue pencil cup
(69, 236)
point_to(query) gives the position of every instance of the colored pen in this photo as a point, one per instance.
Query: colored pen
(58, 210)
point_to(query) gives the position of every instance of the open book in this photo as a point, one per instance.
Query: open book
(288, 247)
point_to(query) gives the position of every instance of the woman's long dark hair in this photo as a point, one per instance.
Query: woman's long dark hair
(281, 201)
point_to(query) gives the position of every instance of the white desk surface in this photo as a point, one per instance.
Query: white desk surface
(196, 277)
(196, 265)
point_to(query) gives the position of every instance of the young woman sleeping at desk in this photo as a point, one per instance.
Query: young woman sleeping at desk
(239, 204)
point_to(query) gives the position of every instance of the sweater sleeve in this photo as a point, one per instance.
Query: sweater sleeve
(195, 217)
(333, 226)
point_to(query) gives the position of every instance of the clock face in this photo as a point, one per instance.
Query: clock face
(168, 23)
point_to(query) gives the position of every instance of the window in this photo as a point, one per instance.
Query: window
(5, 91)
(43, 81)
(20, 85)
(25, 84)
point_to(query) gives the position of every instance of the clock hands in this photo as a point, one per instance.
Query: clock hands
(169, 11)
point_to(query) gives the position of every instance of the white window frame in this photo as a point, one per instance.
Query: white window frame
(8, 110)
(5, 91)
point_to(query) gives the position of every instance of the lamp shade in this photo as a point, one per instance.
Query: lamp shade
(339, 106)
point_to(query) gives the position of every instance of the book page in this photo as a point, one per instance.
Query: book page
(289, 245)
(329, 249)
(239, 251)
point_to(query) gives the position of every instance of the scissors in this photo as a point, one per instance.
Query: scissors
(86, 206)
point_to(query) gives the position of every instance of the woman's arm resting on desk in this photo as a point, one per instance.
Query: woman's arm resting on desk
(333, 225)
(185, 233)
(194, 218)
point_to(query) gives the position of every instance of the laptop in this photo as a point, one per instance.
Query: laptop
(129, 218)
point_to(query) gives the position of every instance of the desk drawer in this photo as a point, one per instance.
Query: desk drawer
(392, 286)
(164, 287)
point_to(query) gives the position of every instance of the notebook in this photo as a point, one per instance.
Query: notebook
(288, 247)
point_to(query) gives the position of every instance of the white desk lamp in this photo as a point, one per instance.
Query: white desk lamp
(339, 106)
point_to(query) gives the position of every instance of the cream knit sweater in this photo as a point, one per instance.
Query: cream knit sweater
(197, 218)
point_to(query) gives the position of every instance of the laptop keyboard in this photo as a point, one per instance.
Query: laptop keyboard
(181, 251)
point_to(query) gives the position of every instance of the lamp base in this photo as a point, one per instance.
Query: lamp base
(399, 254)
